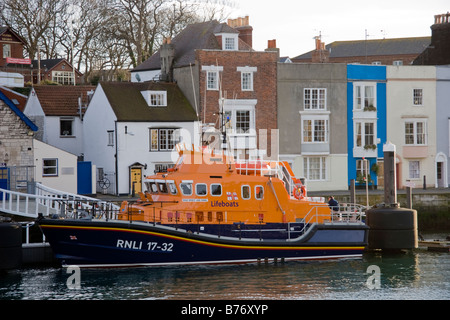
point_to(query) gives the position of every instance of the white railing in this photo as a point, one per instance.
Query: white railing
(49, 202)
(343, 213)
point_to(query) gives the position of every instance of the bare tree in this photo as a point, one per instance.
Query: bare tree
(31, 19)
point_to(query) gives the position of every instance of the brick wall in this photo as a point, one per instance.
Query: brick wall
(14, 139)
(264, 84)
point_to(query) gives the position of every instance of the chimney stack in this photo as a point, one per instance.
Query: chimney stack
(167, 55)
(320, 54)
(243, 26)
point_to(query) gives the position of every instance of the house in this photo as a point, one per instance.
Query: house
(55, 168)
(131, 130)
(412, 91)
(11, 50)
(437, 53)
(58, 112)
(312, 119)
(411, 123)
(13, 67)
(16, 146)
(218, 71)
(395, 51)
(56, 70)
(442, 126)
(366, 123)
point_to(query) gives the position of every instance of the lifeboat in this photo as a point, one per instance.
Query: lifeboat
(210, 209)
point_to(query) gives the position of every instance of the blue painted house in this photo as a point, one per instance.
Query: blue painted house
(366, 121)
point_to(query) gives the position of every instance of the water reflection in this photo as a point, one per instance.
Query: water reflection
(416, 275)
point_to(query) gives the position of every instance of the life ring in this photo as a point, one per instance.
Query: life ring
(299, 191)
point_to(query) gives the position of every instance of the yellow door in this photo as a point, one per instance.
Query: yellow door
(136, 179)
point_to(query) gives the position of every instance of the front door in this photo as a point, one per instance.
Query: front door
(136, 179)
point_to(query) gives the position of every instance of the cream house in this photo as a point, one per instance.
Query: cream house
(411, 123)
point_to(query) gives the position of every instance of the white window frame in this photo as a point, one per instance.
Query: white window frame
(229, 41)
(415, 133)
(312, 99)
(168, 144)
(6, 50)
(213, 71)
(72, 122)
(63, 77)
(110, 138)
(417, 98)
(364, 99)
(48, 166)
(157, 98)
(247, 73)
(314, 134)
(413, 170)
(363, 133)
(231, 107)
(323, 169)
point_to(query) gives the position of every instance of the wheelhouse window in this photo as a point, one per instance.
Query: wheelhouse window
(216, 189)
(172, 187)
(186, 188)
(50, 167)
(201, 189)
(259, 192)
(245, 192)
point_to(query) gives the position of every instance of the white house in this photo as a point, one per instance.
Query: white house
(131, 129)
(58, 112)
(55, 168)
(411, 123)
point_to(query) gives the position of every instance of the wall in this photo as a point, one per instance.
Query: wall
(66, 180)
(374, 75)
(98, 119)
(401, 81)
(443, 118)
(16, 139)
(292, 80)
(264, 85)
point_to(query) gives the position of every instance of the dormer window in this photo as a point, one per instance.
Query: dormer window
(155, 98)
(229, 41)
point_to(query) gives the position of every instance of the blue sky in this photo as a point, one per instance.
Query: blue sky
(294, 23)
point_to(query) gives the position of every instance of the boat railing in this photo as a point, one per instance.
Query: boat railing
(342, 213)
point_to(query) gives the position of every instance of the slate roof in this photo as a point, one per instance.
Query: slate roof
(16, 110)
(194, 36)
(62, 100)
(357, 48)
(129, 105)
(48, 64)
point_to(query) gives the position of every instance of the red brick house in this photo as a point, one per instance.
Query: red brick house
(11, 46)
(56, 70)
(214, 64)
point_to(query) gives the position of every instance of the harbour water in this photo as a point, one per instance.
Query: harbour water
(414, 275)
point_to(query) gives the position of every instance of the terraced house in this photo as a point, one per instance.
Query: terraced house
(216, 68)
